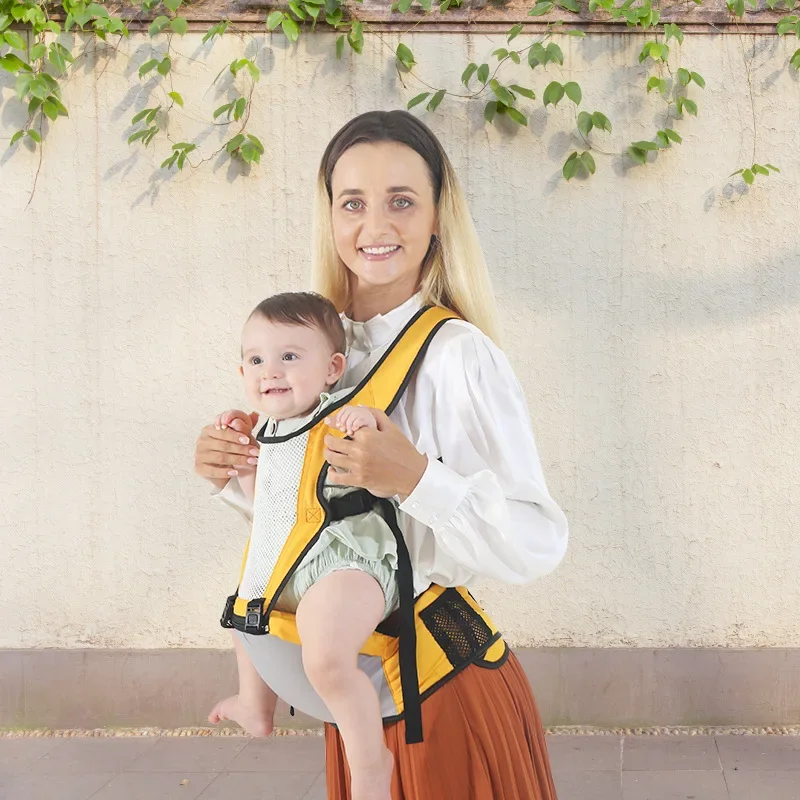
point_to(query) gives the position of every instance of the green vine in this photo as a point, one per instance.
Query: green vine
(31, 52)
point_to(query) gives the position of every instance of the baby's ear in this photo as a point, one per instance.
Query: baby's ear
(336, 367)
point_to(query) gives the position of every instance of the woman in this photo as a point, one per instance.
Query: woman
(393, 233)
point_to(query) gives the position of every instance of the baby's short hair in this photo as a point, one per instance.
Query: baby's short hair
(305, 308)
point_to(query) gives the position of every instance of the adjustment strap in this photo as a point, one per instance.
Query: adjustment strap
(351, 504)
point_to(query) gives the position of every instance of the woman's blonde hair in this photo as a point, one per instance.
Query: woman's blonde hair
(454, 272)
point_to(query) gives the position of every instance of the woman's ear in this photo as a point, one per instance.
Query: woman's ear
(241, 370)
(336, 367)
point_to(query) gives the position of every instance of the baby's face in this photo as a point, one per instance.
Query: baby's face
(286, 367)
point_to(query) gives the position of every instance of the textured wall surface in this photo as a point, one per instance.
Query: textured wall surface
(651, 314)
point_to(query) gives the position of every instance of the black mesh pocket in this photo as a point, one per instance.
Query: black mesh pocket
(457, 628)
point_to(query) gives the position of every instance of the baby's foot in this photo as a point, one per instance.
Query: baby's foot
(373, 783)
(255, 721)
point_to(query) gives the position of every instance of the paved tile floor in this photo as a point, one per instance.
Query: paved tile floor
(290, 768)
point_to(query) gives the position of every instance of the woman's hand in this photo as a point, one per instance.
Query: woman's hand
(383, 461)
(222, 452)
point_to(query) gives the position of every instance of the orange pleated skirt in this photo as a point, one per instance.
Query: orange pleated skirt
(483, 741)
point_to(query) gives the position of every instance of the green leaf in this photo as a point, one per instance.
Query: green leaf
(514, 56)
(539, 9)
(570, 168)
(569, 5)
(50, 110)
(13, 39)
(748, 177)
(169, 162)
(537, 55)
(760, 170)
(426, 4)
(296, 10)
(645, 145)
(34, 105)
(483, 73)
(588, 162)
(179, 25)
(673, 135)
(356, 36)
(222, 109)
(37, 51)
(255, 72)
(553, 94)
(35, 135)
(774, 169)
(96, 10)
(501, 53)
(234, 143)
(290, 29)
(516, 115)
(339, 46)
(436, 99)
(239, 108)
(404, 5)
(585, 123)
(501, 93)
(165, 65)
(60, 107)
(639, 156)
(684, 76)
(514, 32)
(554, 53)
(690, 106)
(653, 83)
(795, 60)
(177, 98)
(12, 63)
(216, 30)
(405, 56)
(274, 19)
(158, 25)
(529, 93)
(573, 92)
(663, 140)
(468, 73)
(16, 137)
(490, 111)
(572, 32)
(420, 98)
(698, 79)
(256, 142)
(140, 116)
(173, 5)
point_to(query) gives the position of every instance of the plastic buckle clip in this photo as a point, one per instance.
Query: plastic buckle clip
(226, 620)
(252, 617)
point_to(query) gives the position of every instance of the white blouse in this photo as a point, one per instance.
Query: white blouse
(483, 510)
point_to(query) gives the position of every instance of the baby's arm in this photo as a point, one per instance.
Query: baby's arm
(242, 422)
(352, 418)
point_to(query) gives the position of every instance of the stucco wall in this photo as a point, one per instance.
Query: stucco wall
(651, 314)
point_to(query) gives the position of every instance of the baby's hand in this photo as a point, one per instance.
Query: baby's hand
(238, 420)
(352, 418)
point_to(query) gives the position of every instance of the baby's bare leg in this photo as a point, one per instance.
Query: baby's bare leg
(254, 707)
(334, 618)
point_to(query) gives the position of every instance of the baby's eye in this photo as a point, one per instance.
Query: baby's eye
(290, 356)
(256, 360)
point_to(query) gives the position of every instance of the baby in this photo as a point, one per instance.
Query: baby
(293, 353)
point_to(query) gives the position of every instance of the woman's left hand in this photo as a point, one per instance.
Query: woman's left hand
(382, 461)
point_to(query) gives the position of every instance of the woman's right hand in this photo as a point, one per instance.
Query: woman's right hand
(225, 451)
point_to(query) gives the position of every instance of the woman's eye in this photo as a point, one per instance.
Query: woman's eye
(403, 202)
(352, 205)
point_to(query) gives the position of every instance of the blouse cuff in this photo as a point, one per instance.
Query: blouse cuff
(436, 497)
(233, 496)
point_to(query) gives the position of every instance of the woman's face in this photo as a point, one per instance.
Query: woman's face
(383, 216)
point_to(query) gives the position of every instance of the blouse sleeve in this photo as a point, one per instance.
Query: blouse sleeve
(484, 498)
(233, 496)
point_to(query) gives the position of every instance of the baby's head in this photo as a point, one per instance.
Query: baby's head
(293, 349)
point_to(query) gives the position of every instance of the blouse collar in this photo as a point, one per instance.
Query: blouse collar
(382, 328)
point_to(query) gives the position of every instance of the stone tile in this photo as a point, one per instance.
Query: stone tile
(542, 667)
(260, 786)
(16, 755)
(582, 753)
(758, 785)
(155, 786)
(190, 754)
(586, 785)
(776, 753)
(678, 785)
(39, 786)
(281, 754)
(12, 689)
(670, 752)
(318, 790)
(92, 755)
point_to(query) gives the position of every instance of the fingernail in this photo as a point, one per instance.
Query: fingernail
(244, 440)
(252, 461)
(224, 427)
(253, 451)
(233, 473)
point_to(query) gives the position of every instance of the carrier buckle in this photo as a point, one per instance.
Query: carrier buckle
(252, 617)
(226, 620)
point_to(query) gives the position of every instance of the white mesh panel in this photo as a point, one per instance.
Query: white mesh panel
(274, 510)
